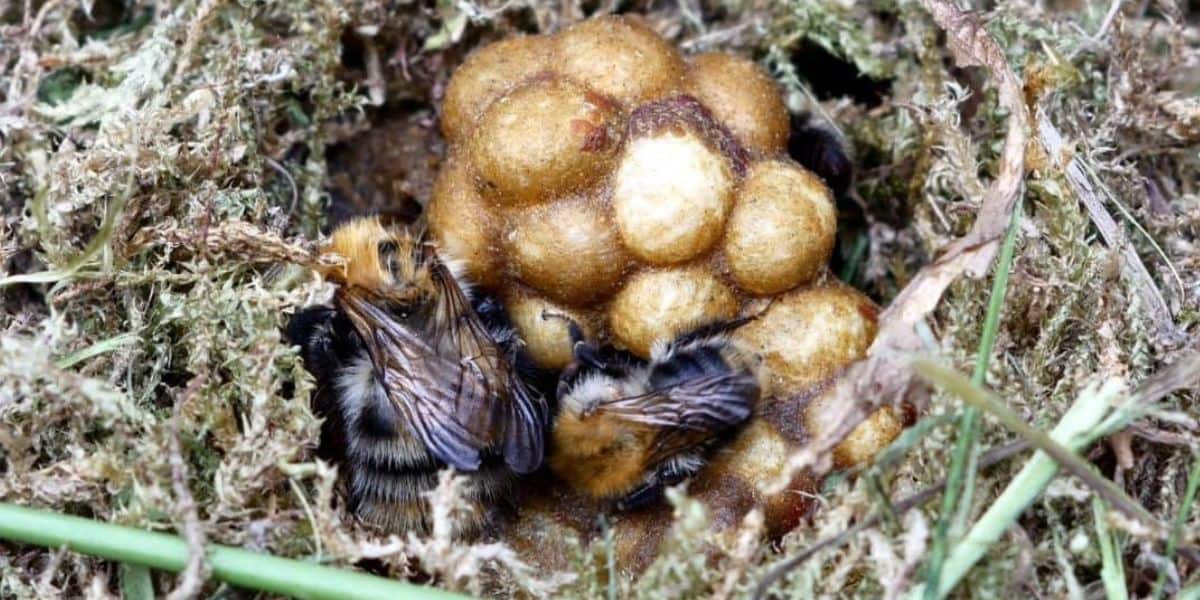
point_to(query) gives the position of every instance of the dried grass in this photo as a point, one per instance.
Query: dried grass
(162, 168)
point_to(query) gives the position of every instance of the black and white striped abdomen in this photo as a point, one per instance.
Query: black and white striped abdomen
(390, 472)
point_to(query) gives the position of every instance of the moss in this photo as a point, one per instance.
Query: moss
(153, 179)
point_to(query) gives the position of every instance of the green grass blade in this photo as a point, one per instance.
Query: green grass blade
(857, 254)
(987, 341)
(136, 583)
(1060, 451)
(112, 214)
(1071, 434)
(1185, 508)
(101, 347)
(962, 462)
(235, 566)
(1112, 570)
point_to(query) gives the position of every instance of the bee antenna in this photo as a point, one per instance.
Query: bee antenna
(713, 328)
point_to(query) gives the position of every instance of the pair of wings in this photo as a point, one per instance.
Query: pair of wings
(454, 387)
(689, 413)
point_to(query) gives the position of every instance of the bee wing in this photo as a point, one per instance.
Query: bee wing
(427, 388)
(525, 433)
(692, 412)
(507, 408)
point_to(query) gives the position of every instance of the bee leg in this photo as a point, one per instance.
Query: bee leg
(574, 331)
(672, 472)
(644, 495)
(564, 384)
(584, 354)
(312, 330)
(491, 313)
(588, 355)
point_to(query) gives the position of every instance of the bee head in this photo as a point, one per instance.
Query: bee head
(387, 262)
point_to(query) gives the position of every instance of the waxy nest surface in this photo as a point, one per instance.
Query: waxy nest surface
(599, 174)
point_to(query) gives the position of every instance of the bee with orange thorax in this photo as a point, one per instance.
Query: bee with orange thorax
(411, 381)
(627, 428)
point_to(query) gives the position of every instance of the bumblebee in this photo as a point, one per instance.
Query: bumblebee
(411, 381)
(627, 428)
(821, 151)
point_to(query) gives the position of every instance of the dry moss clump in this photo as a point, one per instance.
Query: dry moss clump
(161, 166)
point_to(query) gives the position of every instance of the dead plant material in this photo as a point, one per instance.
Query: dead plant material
(884, 377)
(221, 137)
(971, 45)
(1113, 234)
(988, 459)
(234, 240)
(191, 580)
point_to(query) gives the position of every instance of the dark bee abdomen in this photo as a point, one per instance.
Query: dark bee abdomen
(821, 151)
(387, 472)
(687, 365)
(390, 495)
(379, 420)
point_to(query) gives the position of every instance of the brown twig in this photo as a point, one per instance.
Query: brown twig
(1160, 436)
(971, 254)
(191, 580)
(1179, 375)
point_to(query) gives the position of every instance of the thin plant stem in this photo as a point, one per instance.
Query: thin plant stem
(987, 341)
(857, 254)
(112, 214)
(1076, 430)
(1189, 497)
(1112, 571)
(963, 463)
(610, 557)
(1062, 453)
(989, 458)
(101, 347)
(166, 552)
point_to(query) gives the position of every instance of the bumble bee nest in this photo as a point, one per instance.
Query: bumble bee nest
(599, 174)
